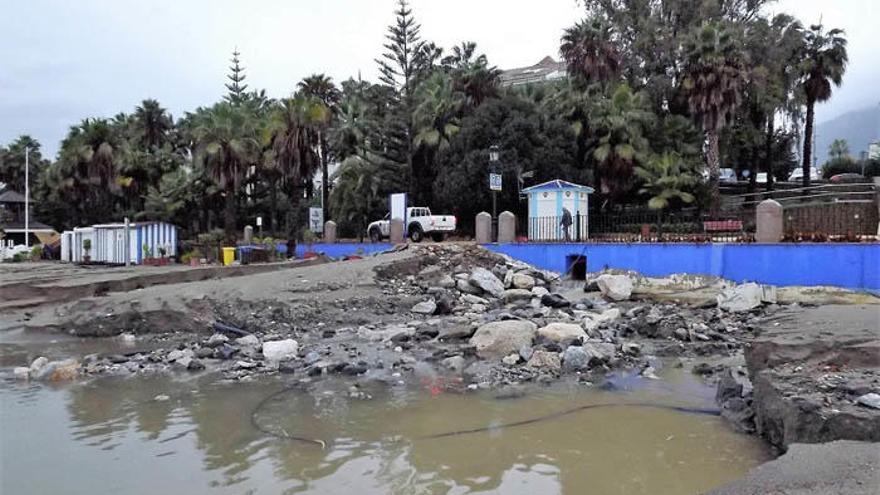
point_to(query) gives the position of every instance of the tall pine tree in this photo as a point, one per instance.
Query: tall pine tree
(236, 88)
(404, 63)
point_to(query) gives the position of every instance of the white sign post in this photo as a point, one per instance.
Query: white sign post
(316, 219)
(495, 182)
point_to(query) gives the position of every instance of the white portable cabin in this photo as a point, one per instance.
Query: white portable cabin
(546, 202)
(108, 242)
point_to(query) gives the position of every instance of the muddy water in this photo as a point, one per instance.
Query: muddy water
(111, 436)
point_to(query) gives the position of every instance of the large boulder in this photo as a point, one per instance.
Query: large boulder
(501, 338)
(575, 358)
(425, 307)
(280, 350)
(545, 360)
(513, 295)
(615, 287)
(56, 371)
(745, 297)
(523, 281)
(562, 332)
(487, 281)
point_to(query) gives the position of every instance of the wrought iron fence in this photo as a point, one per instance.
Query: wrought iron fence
(643, 225)
(849, 221)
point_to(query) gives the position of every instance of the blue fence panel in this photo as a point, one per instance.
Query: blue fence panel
(855, 266)
(343, 249)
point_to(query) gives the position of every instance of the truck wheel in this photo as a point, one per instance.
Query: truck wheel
(375, 235)
(416, 234)
(438, 237)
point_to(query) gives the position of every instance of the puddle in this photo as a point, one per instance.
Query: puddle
(110, 436)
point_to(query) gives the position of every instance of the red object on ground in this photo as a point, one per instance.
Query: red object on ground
(353, 257)
(309, 255)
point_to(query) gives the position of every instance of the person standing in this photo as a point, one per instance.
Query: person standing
(566, 224)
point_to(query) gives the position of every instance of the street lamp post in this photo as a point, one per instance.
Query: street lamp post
(27, 194)
(493, 169)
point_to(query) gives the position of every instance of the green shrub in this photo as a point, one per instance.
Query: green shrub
(36, 251)
(840, 166)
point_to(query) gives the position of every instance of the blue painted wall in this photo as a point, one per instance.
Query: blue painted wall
(343, 249)
(855, 266)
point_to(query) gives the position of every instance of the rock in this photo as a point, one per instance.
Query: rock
(745, 297)
(525, 352)
(217, 339)
(555, 301)
(650, 373)
(513, 295)
(179, 354)
(500, 338)
(472, 299)
(117, 358)
(478, 308)
(56, 371)
(161, 398)
(21, 372)
(467, 288)
(523, 281)
(682, 334)
(204, 352)
(446, 282)
(353, 369)
(599, 353)
(615, 287)
(425, 307)
(562, 332)
(248, 341)
(871, 400)
(224, 351)
(195, 365)
(280, 350)
(539, 291)
(631, 349)
(454, 363)
(487, 281)
(245, 365)
(127, 338)
(456, 331)
(38, 364)
(575, 358)
(605, 317)
(548, 361)
(510, 359)
(445, 304)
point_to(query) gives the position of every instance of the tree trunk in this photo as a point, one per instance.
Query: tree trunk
(808, 142)
(325, 177)
(714, 169)
(753, 168)
(229, 211)
(273, 201)
(768, 152)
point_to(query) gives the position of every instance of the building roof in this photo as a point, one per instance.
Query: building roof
(120, 225)
(545, 70)
(558, 185)
(10, 196)
(33, 225)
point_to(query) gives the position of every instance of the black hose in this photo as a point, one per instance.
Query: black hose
(224, 328)
(313, 441)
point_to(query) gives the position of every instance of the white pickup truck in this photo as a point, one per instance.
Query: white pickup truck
(419, 223)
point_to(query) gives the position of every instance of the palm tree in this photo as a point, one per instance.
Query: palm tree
(292, 134)
(226, 143)
(589, 51)
(321, 87)
(620, 124)
(715, 77)
(665, 178)
(472, 75)
(824, 63)
(436, 114)
(152, 123)
(838, 150)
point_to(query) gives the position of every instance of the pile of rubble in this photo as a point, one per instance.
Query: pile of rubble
(460, 310)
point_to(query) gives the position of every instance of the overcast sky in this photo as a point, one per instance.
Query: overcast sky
(62, 61)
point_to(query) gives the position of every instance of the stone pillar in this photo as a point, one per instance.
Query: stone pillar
(330, 232)
(396, 233)
(248, 235)
(483, 228)
(506, 227)
(768, 221)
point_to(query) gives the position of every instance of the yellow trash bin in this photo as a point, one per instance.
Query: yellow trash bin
(228, 255)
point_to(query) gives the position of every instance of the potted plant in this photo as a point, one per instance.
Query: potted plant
(309, 239)
(162, 260)
(87, 247)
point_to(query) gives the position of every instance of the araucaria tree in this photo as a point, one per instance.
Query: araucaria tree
(823, 65)
(715, 77)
